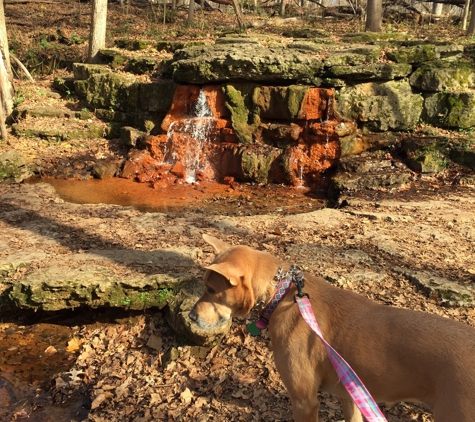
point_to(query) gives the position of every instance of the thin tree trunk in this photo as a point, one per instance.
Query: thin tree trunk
(97, 36)
(6, 76)
(283, 5)
(466, 8)
(471, 25)
(191, 12)
(374, 15)
(237, 9)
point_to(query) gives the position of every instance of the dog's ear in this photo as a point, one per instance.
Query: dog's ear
(218, 245)
(230, 272)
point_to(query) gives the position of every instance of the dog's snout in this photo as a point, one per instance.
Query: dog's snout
(193, 315)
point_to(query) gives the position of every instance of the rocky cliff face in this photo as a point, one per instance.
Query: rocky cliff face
(279, 113)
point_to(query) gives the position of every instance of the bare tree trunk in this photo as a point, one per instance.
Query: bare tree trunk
(191, 12)
(466, 8)
(283, 5)
(6, 76)
(437, 8)
(97, 36)
(237, 9)
(374, 15)
(471, 25)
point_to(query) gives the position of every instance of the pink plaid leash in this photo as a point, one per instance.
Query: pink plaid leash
(355, 387)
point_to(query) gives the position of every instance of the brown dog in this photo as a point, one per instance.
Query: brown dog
(400, 355)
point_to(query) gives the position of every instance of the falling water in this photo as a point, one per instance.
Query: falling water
(329, 109)
(200, 107)
(196, 131)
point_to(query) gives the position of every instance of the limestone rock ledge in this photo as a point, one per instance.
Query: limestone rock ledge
(57, 288)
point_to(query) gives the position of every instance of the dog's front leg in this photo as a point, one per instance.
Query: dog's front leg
(304, 411)
(351, 412)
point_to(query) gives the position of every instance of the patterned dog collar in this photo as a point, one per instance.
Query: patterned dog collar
(284, 282)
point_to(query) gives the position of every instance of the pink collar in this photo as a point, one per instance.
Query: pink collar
(293, 275)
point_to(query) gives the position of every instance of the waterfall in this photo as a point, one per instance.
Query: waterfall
(193, 133)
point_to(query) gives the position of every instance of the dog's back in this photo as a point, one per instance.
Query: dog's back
(400, 355)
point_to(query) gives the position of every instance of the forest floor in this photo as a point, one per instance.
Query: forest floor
(132, 367)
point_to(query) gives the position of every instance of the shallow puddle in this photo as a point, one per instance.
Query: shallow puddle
(29, 357)
(208, 197)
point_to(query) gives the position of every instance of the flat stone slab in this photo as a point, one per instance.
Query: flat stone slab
(170, 257)
(59, 287)
(21, 259)
(444, 291)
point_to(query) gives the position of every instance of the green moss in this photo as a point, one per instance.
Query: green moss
(415, 54)
(256, 164)
(240, 100)
(295, 96)
(140, 300)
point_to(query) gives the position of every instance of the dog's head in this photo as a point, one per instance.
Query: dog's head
(230, 284)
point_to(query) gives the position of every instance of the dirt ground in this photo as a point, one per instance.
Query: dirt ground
(132, 367)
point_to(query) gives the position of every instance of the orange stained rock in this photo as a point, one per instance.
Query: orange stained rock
(305, 159)
(178, 169)
(157, 146)
(315, 103)
(215, 99)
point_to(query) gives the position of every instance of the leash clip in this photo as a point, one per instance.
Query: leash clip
(298, 279)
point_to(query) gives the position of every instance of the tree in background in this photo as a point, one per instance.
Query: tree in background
(471, 25)
(374, 15)
(97, 36)
(6, 77)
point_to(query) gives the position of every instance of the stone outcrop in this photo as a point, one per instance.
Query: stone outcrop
(446, 292)
(381, 106)
(240, 135)
(14, 167)
(278, 112)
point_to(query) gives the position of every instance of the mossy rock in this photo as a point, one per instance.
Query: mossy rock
(441, 75)
(463, 153)
(109, 90)
(113, 58)
(380, 106)
(450, 109)
(426, 155)
(95, 286)
(257, 162)
(357, 55)
(83, 71)
(243, 61)
(424, 52)
(241, 101)
(14, 167)
(172, 46)
(372, 71)
(68, 130)
(367, 181)
(156, 96)
(281, 102)
(308, 46)
(141, 65)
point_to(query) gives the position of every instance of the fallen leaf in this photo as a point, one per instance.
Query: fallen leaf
(99, 399)
(186, 396)
(73, 345)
